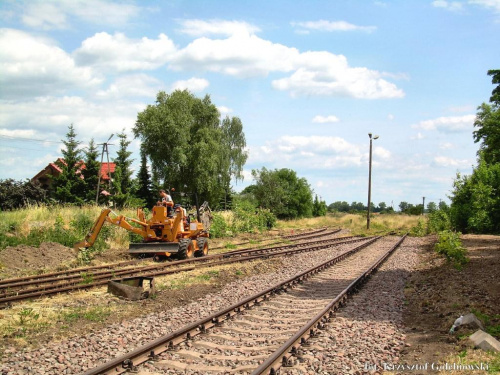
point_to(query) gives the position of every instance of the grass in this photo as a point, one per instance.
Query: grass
(379, 224)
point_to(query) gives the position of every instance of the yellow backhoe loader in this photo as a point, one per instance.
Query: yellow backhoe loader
(163, 234)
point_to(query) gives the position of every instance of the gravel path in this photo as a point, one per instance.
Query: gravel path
(77, 354)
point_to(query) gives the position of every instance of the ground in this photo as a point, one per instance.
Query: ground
(437, 294)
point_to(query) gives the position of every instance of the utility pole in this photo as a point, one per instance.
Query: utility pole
(369, 181)
(104, 150)
(423, 205)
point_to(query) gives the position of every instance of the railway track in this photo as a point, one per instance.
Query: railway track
(264, 332)
(84, 278)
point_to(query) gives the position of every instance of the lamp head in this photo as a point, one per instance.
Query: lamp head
(375, 137)
(370, 135)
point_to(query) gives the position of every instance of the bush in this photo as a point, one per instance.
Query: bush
(219, 226)
(438, 222)
(419, 230)
(450, 246)
(17, 194)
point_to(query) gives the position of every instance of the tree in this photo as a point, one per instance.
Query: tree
(122, 181)
(91, 172)
(124, 162)
(319, 207)
(16, 194)
(144, 182)
(69, 186)
(189, 148)
(403, 206)
(431, 207)
(475, 200)
(382, 207)
(282, 192)
(488, 124)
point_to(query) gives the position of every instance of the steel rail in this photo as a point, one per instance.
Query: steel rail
(81, 276)
(34, 293)
(151, 350)
(282, 356)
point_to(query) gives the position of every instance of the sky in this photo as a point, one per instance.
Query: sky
(308, 79)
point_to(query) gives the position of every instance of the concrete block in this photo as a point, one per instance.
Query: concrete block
(484, 341)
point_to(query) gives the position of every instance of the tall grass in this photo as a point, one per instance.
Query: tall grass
(356, 223)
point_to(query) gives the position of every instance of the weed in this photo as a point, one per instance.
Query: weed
(450, 246)
(94, 314)
(239, 273)
(229, 245)
(26, 316)
(419, 230)
(87, 278)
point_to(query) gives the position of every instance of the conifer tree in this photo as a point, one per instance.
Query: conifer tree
(144, 182)
(91, 171)
(69, 186)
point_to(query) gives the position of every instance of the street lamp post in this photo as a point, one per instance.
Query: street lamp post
(370, 181)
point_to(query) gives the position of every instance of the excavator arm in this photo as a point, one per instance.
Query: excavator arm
(120, 221)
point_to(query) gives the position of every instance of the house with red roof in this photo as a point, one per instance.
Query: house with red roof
(45, 176)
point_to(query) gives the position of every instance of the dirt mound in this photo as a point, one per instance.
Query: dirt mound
(49, 255)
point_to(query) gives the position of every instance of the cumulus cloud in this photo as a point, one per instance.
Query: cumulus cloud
(224, 110)
(52, 115)
(444, 161)
(323, 25)
(325, 119)
(452, 124)
(326, 74)
(196, 27)
(313, 153)
(119, 53)
(34, 66)
(236, 56)
(448, 5)
(490, 4)
(192, 84)
(133, 85)
(54, 14)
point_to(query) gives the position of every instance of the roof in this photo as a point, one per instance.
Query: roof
(54, 169)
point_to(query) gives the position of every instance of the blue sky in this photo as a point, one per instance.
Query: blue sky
(309, 80)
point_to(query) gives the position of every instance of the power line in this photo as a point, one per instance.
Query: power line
(29, 139)
(23, 148)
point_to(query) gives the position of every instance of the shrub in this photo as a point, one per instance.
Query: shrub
(219, 226)
(450, 246)
(438, 222)
(419, 230)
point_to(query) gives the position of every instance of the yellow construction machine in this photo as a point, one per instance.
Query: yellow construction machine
(167, 232)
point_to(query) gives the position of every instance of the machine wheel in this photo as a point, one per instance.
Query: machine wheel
(186, 249)
(203, 247)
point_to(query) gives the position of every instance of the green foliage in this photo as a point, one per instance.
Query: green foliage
(476, 200)
(143, 183)
(450, 246)
(419, 230)
(219, 226)
(93, 314)
(17, 194)
(283, 193)
(91, 172)
(438, 221)
(189, 147)
(69, 187)
(27, 315)
(319, 207)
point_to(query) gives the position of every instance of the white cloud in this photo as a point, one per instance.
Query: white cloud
(446, 145)
(450, 124)
(117, 52)
(444, 161)
(418, 136)
(448, 5)
(390, 117)
(325, 119)
(326, 74)
(196, 27)
(54, 14)
(192, 84)
(236, 56)
(52, 115)
(132, 86)
(323, 25)
(34, 66)
(493, 4)
(224, 110)
(313, 153)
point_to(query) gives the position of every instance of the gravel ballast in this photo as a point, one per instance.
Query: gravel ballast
(374, 336)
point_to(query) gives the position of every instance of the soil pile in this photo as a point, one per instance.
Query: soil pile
(49, 255)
